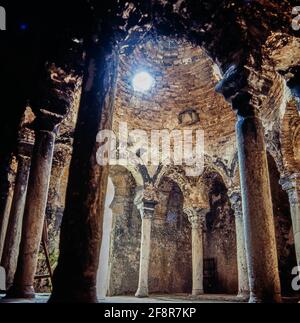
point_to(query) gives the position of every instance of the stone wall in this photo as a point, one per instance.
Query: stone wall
(185, 79)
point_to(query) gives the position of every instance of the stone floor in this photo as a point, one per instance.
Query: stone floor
(153, 299)
(43, 298)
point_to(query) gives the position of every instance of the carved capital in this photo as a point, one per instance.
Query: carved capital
(26, 142)
(291, 184)
(48, 121)
(148, 209)
(26, 136)
(146, 199)
(241, 86)
(196, 216)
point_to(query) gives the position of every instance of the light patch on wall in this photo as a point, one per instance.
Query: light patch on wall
(217, 74)
(142, 82)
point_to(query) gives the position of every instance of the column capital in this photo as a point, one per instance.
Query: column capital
(291, 184)
(241, 86)
(147, 210)
(146, 199)
(47, 121)
(26, 136)
(196, 216)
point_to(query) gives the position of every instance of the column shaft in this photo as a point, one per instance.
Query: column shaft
(291, 184)
(34, 216)
(197, 251)
(13, 237)
(4, 219)
(295, 212)
(196, 217)
(144, 258)
(258, 214)
(75, 277)
(241, 259)
(236, 205)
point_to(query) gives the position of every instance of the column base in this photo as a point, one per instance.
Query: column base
(2, 279)
(197, 292)
(26, 292)
(142, 293)
(243, 296)
(256, 299)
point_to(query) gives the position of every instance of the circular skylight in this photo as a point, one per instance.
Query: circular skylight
(142, 82)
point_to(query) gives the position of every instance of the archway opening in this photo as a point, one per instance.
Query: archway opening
(220, 250)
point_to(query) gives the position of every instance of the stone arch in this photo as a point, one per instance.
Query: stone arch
(174, 173)
(211, 167)
(296, 143)
(276, 153)
(290, 128)
(193, 188)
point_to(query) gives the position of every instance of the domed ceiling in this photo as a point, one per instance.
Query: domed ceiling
(183, 95)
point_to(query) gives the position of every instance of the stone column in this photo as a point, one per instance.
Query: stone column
(4, 219)
(257, 205)
(236, 205)
(75, 277)
(35, 207)
(291, 184)
(146, 209)
(197, 219)
(13, 236)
